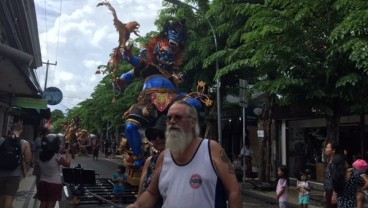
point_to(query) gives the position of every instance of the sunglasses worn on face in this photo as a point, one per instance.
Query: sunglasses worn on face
(176, 117)
(157, 136)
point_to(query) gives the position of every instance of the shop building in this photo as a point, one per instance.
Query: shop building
(20, 55)
(297, 139)
(302, 143)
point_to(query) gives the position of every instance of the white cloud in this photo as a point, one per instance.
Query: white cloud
(81, 38)
(65, 76)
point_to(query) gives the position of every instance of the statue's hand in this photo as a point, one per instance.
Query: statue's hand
(126, 53)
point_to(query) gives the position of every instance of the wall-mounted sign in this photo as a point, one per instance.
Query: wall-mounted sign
(53, 95)
(30, 103)
(260, 133)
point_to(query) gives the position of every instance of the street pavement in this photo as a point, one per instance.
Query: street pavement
(105, 167)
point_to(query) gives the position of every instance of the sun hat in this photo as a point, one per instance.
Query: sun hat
(159, 128)
(360, 165)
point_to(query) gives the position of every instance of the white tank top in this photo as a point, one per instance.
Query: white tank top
(194, 184)
(50, 170)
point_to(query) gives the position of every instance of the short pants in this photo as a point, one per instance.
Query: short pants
(304, 199)
(49, 191)
(9, 185)
(283, 204)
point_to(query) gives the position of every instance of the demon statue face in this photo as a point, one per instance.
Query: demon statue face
(176, 33)
(164, 54)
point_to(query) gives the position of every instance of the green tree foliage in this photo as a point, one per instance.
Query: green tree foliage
(351, 34)
(304, 52)
(56, 115)
(350, 39)
(200, 43)
(57, 118)
(57, 125)
(309, 53)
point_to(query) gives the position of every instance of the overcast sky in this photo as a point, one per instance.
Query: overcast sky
(79, 36)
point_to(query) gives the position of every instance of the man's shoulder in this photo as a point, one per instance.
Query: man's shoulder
(25, 145)
(212, 142)
(24, 141)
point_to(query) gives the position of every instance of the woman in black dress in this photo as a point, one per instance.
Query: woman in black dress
(345, 183)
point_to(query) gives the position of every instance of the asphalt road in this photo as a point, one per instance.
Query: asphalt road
(249, 202)
(105, 168)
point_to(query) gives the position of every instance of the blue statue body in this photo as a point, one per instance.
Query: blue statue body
(158, 66)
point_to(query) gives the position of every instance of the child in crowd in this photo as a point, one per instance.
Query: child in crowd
(282, 186)
(303, 186)
(119, 180)
(360, 167)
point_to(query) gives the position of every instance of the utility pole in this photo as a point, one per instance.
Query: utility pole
(243, 84)
(47, 71)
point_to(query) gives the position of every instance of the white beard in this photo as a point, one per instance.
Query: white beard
(177, 139)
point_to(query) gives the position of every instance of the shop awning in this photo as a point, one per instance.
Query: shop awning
(31, 107)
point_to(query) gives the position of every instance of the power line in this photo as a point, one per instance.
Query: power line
(57, 42)
(58, 34)
(47, 49)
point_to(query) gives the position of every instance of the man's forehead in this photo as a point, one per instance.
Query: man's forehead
(177, 107)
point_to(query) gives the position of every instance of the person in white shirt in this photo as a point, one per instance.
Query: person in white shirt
(50, 185)
(192, 171)
(303, 186)
(247, 153)
(36, 149)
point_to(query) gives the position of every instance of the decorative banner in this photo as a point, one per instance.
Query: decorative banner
(161, 100)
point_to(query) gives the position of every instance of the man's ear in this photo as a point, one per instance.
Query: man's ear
(193, 123)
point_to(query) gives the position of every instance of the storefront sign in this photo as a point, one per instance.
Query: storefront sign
(53, 95)
(29, 103)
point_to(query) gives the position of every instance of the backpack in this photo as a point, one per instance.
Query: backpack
(10, 153)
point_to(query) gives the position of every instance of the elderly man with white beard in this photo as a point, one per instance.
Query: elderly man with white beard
(192, 171)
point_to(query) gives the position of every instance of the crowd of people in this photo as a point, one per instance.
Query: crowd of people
(181, 158)
(210, 177)
(344, 181)
(46, 156)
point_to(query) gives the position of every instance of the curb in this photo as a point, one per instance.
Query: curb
(267, 199)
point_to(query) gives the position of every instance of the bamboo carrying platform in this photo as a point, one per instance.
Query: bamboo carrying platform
(83, 188)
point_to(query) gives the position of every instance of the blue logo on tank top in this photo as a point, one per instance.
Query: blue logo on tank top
(195, 181)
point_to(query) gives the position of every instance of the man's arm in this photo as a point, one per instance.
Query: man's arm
(27, 157)
(150, 197)
(226, 172)
(27, 153)
(143, 175)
